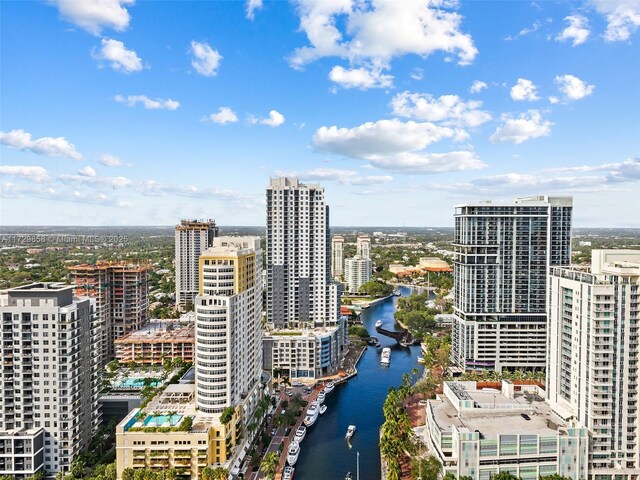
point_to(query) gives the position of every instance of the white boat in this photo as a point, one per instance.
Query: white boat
(323, 409)
(421, 360)
(385, 357)
(328, 388)
(287, 473)
(321, 396)
(293, 452)
(312, 414)
(378, 323)
(397, 293)
(350, 431)
(300, 433)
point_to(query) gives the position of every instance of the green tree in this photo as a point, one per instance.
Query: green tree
(269, 465)
(375, 288)
(206, 473)
(220, 473)
(504, 476)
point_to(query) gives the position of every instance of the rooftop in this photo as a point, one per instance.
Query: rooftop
(162, 331)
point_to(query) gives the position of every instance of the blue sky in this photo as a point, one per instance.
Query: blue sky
(123, 112)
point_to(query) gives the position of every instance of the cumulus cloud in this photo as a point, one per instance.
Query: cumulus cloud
(94, 15)
(112, 161)
(88, 171)
(148, 103)
(448, 109)
(577, 30)
(49, 146)
(224, 115)
(274, 120)
(33, 174)
(119, 57)
(573, 88)
(623, 18)
(395, 145)
(478, 86)
(252, 6)
(524, 90)
(345, 177)
(526, 126)
(205, 60)
(361, 78)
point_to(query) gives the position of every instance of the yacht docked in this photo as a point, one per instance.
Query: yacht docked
(323, 409)
(321, 396)
(287, 473)
(350, 431)
(300, 433)
(312, 414)
(385, 357)
(293, 452)
(328, 387)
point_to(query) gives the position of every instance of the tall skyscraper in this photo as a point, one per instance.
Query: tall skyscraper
(592, 376)
(228, 323)
(298, 279)
(121, 291)
(49, 379)
(337, 256)
(192, 238)
(503, 253)
(357, 272)
(363, 246)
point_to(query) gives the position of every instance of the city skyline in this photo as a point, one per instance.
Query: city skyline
(144, 112)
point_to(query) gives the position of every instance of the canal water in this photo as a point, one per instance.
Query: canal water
(324, 453)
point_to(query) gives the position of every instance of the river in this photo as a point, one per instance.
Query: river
(324, 453)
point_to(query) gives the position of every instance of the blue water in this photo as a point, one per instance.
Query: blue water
(137, 383)
(162, 420)
(324, 453)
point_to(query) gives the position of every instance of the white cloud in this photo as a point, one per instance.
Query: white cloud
(371, 34)
(573, 88)
(252, 6)
(449, 109)
(361, 78)
(88, 171)
(224, 115)
(553, 100)
(148, 103)
(85, 178)
(49, 146)
(524, 90)
(577, 30)
(119, 57)
(526, 126)
(12, 190)
(345, 177)
(395, 145)
(112, 161)
(478, 86)
(623, 18)
(526, 31)
(33, 174)
(417, 74)
(94, 15)
(206, 60)
(274, 120)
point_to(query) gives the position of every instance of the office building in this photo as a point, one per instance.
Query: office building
(337, 256)
(121, 291)
(592, 378)
(49, 379)
(192, 237)
(357, 272)
(363, 246)
(503, 254)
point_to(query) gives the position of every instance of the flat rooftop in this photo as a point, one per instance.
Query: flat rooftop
(161, 332)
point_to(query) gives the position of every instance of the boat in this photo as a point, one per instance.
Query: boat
(300, 433)
(312, 414)
(350, 431)
(328, 388)
(378, 323)
(293, 452)
(348, 476)
(385, 357)
(287, 473)
(397, 293)
(321, 396)
(421, 360)
(323, 409)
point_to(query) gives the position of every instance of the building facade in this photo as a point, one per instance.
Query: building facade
(363, 246)
(592, 376)
(357, 272)
(337, 256)
(192, 237)
(50, 378)
(503, 254)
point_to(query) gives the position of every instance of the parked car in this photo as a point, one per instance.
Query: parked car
(273, 431)
(525, 416)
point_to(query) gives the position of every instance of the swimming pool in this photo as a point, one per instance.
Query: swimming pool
(136, 383)
(162, 420)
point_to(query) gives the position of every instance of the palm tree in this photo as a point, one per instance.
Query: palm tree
(206, 473)
(127, 474)
(269, 465)
(170, 474)
(220, 474)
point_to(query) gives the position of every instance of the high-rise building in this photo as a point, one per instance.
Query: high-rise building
(503, 253)
(50, 378)
(121, 291)
(357, 272)
(337, 256)
(363, 246)
(228, 322)
(192, 238)
(592, 377)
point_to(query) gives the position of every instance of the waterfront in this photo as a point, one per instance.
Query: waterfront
(325, 454)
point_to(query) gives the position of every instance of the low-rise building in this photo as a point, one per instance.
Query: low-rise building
(479, 432)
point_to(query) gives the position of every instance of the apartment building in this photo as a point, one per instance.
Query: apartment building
(592, 375)
(337, 256)
(503, 254)
(357, 272)
(363, 246)
(49, 403)
(121, 293)
(192, 237)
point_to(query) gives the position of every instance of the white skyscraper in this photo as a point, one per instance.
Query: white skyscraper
(228, 354)
(363, 246)
(592, 377)
(51, 352)
(503, 253)
(357, 272)
(337, 256)
(192, 237)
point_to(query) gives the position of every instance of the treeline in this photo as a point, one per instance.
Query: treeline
(413, 312)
